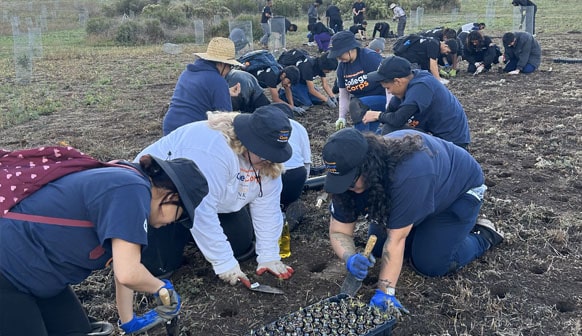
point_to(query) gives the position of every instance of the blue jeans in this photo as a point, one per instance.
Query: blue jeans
(301, 96)
(375, 103)
(512, 65)
(442, 243)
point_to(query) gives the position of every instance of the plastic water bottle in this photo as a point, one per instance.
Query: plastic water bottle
(285, 240)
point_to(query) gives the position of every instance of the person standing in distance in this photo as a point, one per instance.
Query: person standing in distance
(266, 15)
(400, 16)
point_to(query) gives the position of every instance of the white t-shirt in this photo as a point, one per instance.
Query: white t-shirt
(299, 141)
(232, 185)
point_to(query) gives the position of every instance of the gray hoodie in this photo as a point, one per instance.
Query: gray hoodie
(526, 49)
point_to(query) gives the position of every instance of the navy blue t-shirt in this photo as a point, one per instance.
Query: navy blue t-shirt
(424, 184)
(354, 76)
(42, 259)
(439, 112)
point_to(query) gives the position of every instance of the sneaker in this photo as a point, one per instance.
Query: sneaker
(101, 328)
(486, 229)
(311, 44)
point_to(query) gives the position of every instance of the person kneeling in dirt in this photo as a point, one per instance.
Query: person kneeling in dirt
(522, 53)
(202, 87)
(304, 92)
(419, 101)
(81, 222)
(354, 64)
(241, 155)
(422, 196)
(251, 95)
(480, 52)
(427, 53)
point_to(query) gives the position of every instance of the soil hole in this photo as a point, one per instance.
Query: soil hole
(229, 312)
(499, 290)
(504, 174)
(318, 268)
(539, 269)
(565, 306)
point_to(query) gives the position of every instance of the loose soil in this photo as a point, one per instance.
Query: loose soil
(526, 133)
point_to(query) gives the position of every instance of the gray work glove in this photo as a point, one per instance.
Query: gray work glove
(299, 110)
(171, 310)
(331, 103)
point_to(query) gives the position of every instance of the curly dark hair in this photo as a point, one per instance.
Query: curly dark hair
(383, 155)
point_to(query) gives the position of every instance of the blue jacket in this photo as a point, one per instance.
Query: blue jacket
(200, 89)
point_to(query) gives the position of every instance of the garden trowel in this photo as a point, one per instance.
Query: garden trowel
(352, 284)
(260, 288)
(172, 326)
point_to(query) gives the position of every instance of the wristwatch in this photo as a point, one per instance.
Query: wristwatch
(390, 291)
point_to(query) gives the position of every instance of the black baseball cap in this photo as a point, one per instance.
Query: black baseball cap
(390, 68)
(343, 153)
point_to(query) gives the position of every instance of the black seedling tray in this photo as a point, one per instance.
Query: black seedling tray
(341, 313)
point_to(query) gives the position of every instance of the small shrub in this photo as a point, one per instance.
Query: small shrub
(127, 6)
(173, 18)
(256, 22)
(128, 33)
(220, 29)
(153, 31)
(288, 8)
(98, 26)
(242, 6)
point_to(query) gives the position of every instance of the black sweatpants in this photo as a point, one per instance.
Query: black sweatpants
(25, 314)
(165, 249)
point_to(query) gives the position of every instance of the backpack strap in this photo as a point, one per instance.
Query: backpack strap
(48, 220)
(66, 221)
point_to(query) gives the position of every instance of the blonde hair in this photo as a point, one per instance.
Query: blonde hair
(223, 122)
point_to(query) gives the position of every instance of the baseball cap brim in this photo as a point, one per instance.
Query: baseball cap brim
(337, 184)
(246, 134)
(375, 76)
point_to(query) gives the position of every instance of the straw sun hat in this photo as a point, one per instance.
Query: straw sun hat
(220, 49)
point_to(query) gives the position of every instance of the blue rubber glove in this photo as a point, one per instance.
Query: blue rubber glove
(139, 324)
(383, 300)
(172, 310)
(358, 265)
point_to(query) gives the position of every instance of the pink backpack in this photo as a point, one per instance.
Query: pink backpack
(22, 172)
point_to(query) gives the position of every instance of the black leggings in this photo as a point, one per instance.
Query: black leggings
(165, 249)
(293, 181)
(25, 314)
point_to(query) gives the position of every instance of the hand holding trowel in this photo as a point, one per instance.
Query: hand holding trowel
(260, 288)
(352, 283)
(172, 326)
